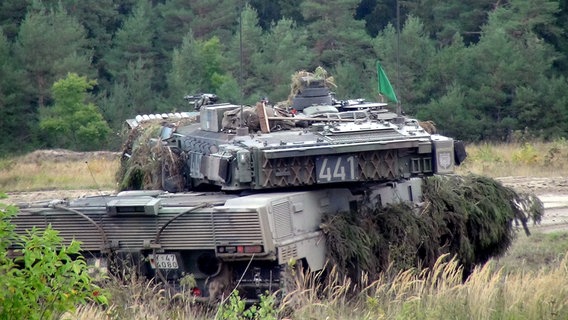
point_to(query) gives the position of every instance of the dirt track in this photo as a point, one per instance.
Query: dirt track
(19, 197)
(552, 191)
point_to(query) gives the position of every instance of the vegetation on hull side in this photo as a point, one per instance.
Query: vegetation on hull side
(472, 218)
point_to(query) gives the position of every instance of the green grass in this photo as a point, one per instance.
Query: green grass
(540, 251)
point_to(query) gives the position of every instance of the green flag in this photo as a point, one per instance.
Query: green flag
(385, 87)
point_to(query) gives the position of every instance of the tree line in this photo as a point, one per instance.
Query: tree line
(72, 71)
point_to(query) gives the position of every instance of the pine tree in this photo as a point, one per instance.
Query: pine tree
(405, 58)
(284, 50)
(249, 34)
(510, 56)
(50, 44)
(198, 67)
(175, 18)
(101, 20)
(16, 120)
(444, 20)
(131, 96)
(11, 15)
(133, 41)
(214, 18)
(335, 34)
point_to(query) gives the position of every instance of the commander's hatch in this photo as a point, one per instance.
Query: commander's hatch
(145, 206)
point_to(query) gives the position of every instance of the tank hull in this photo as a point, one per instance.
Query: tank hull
(222, 241)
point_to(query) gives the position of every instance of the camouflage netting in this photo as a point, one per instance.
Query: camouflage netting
(318, 74)
(470, 217)
(147, 164)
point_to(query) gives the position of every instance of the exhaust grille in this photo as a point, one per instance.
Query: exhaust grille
(69, 226)
(197, 230)
(237, 228)
(190, 231)
(287, 253)
(282, 219)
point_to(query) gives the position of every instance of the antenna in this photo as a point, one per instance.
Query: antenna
(398, 107)
(241, 131)
(241, 57)
(93, 177)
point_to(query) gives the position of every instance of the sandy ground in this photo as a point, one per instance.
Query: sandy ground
(553, 192)
(21, 197)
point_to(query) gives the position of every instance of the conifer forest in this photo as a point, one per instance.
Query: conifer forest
(71, 71)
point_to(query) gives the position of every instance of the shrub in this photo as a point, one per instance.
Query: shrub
(41, 277)
(235, 308)
(526, 155)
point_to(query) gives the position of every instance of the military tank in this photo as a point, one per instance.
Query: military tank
(241, 190)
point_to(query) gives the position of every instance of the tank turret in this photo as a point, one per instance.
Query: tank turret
(315, 141)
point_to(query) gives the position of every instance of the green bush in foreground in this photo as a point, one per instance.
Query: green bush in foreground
(43, 278)
(236, 308)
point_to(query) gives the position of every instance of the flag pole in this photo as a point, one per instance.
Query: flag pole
(384, 86)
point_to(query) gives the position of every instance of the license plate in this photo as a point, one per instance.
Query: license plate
(336, 169)
(163, 261)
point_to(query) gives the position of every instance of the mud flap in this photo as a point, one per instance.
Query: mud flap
(459, 152)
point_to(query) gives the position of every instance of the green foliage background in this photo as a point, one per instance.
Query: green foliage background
(482, 70)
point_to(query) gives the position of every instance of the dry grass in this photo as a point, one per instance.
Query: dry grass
(535, 159)
(25, 174)
(134, 298)
(491, 292)
(38, 172)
